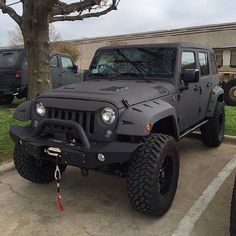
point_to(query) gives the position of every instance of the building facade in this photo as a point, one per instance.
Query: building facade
(221, 37)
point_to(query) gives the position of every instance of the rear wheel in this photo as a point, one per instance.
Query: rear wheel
(32, 170)
(153, 175)
(233, 212)
(6, 99)
(230, 92)
(212, 132)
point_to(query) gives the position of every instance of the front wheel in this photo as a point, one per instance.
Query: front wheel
(212, 132)
(153, 175)
(37, 172)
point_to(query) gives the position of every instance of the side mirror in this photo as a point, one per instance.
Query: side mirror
(191, 76)
(73, 68)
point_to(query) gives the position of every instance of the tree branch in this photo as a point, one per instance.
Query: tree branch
(10, 11)
(81, 16)
(66, 9)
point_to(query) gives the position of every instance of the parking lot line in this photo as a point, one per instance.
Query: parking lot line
(187, 223)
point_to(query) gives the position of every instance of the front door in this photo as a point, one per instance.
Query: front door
(189, 95)
(55, 72)
(68, 74)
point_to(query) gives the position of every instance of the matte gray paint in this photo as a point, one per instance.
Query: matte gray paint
(135, 119)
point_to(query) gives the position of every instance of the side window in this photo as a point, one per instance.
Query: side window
(214, 69)
(219, 57)
(54, 61)
(233, 58)
(66, 62)
(188, 61)
(204, 63)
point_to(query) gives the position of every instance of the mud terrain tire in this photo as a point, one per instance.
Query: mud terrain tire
(28, 168)
(212, 132)
(153, 175)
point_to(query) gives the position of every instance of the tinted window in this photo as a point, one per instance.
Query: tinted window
(233, 58)
(204, 63)
(188, 61)
(135, 62)
(54, 61)
(214, 69)
(8, 58)
(219, 57)
(66, 62)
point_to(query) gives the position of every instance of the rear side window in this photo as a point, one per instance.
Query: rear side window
(204, 63)
(219, 57)
(8, 58)
(233, 58)
(188, 61)
(66, 62)
(214, 69)
(54, 61)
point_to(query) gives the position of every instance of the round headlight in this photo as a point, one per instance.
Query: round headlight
(40, 109)
(108, 115)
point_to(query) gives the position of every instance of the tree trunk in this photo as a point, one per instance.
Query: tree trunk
(35, 29)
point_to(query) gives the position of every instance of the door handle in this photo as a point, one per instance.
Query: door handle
(209, 84)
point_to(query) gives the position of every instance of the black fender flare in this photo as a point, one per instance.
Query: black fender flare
(135, 119)
(23, 111)
(214, 98)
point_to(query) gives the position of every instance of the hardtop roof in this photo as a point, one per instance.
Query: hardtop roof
(176, 44)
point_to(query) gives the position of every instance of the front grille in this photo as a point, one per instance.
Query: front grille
(85, 119)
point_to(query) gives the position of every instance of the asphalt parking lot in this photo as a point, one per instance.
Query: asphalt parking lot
(98, 204)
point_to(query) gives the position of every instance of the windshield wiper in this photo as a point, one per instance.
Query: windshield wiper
(138, 68)
(98, 74)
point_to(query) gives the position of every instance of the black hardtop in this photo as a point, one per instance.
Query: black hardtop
(159, 45)
(22, 49)
(11, 49)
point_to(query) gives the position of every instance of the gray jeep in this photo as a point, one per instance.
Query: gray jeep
(136, 102)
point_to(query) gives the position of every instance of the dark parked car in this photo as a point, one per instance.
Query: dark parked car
(125, 119)
(14, 76)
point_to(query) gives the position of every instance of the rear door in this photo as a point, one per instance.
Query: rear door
(68, 75)
(189, 96)
(55, 72)
(206, 82)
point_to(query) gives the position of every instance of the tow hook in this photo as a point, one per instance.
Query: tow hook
(84, 172)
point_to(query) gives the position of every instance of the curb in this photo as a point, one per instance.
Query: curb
(7, 167)
(227, 138)
(230, 139)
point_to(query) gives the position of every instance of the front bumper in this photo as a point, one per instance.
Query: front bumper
(83, 155)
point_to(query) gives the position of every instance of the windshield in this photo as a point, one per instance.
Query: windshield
(135, 62)
(8, 58)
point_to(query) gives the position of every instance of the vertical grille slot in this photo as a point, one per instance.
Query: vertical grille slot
(85, 119)
(92, 123)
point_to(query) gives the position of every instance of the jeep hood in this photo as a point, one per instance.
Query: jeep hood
(116, 92)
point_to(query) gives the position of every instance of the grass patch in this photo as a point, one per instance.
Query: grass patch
(6, 144)
(230, 125)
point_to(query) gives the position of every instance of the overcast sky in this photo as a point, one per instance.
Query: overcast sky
(140, 16)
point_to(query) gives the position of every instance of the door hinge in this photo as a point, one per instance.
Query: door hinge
(200, 89)
(179, 97)
(178, 119)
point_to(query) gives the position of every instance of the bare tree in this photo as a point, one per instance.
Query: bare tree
(68, 48)
(34, 23)
(16, 37)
